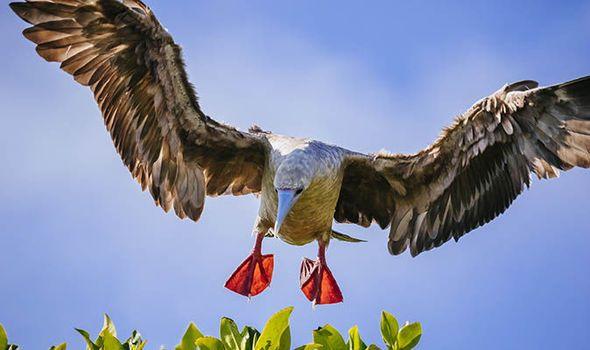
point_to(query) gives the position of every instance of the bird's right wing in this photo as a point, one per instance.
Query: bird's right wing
(135, 70)
(474, 171)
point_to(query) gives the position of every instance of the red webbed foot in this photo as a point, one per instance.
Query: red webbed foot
(318, 284)
(253, 275)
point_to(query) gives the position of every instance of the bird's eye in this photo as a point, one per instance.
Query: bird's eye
(299, 190)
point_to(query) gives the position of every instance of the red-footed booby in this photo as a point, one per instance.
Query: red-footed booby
(466, 178)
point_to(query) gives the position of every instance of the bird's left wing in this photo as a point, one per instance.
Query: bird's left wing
(135, 70)
(476, 168)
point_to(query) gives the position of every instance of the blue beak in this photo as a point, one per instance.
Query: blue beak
(286, 201)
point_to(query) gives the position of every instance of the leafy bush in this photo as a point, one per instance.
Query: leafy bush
(276, 335)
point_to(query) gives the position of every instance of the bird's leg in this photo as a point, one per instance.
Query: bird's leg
(317, 282)
(254, 275)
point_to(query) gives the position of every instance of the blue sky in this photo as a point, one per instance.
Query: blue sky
(78, 238)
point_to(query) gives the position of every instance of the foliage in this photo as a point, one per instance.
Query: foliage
(276, 335)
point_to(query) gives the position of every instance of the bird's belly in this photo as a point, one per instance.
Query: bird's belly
(297, 238)
(300, 232)
(310, 218)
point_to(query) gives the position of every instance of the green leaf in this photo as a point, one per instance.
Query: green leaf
(409, 336)
(354, 339)
(89, 343)
(3, 338)
(276, 334)
(389, 329)
(59, 347)
(249, 338)
(373, 347)
(229, 334)
(233, 339)
(134, 342)
(209, 343)
(329, 338)
(139, 346)
(189, 338)
(310, 346)
(110, 342)
(108, 327)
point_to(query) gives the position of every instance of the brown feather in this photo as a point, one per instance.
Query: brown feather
(136, 73)
(476, 168)
(503, 138)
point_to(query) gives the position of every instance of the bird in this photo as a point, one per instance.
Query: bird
(467, 177)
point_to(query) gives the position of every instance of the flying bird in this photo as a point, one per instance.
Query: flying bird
(467, 177)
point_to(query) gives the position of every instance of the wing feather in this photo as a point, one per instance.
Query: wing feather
(480, 164)
(136, 73)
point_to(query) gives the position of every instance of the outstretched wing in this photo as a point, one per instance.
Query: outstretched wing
(136, 73)
(479, 165)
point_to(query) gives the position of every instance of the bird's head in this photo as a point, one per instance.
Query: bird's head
(292, 178)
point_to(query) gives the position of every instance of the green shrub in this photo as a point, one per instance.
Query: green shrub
(276, 335)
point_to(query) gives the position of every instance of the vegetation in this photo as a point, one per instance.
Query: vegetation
(276, 335)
